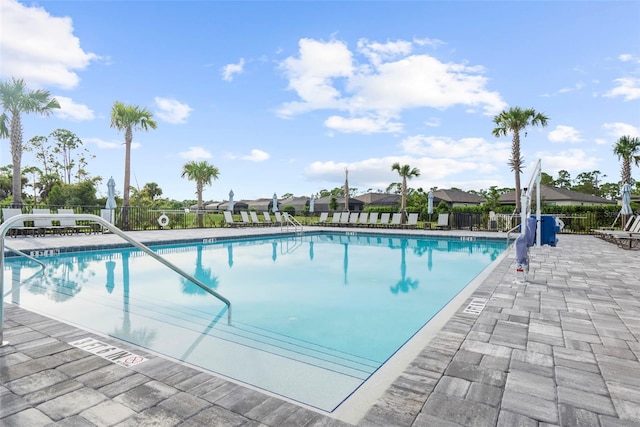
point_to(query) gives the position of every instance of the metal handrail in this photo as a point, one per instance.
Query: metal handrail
(294, 222)
(9, 222)
(509, 232)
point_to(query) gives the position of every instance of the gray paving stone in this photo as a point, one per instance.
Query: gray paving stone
(122, 385)
(531, 384)
(11, 403)
(511, 419)
(52, 392)
(71, 403)
(156, 416)
(574, 378)
(104, 376)
(476, 374)
(530, 406)
(36, 382)
(145, 396)
(184, 405)
(460, 411)
(485, 394)
(585, 400)
(452, 386)
(570, 416)
(107, 413)
(426, 420)
(30, 417)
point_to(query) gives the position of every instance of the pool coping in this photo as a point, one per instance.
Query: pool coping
(466, 340)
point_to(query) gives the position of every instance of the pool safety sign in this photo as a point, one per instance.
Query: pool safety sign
(109, 352)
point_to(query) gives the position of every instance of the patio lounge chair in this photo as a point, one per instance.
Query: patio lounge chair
(324, 216)
(364, 216)
(396, 220)
(46, 224)
(631, 225)
(278, 216)
(70, 225)
(353, 218)
(19, 227)
(373, 219)
(384, 219)
(335, 220)
(443, 221)
(245, 219)
(254, 218)
(267, 218)
(344, 218)
(412, 221)
(228, 219)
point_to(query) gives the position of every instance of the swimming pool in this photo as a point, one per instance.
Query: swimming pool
(313, 316)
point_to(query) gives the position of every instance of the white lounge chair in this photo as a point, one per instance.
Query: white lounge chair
(364, 217)
(335, 220)
(245, 219)
(396, 220)
(373, 219)
(344, 218)
(353, 218)
(278, 216)
(412, 221)
(267, 218)
(70, 225)
(254, 218)
(46, 224)
(384, 219)
(19, 227)
(228, 219)
(443, 221)
(324, 216)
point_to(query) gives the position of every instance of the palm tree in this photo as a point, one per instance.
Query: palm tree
(128, 118)
(628, 150)
(202, 173)
(17, 99)
(406, 172)
(514, 120)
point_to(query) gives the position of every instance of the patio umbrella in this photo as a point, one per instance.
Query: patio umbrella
(275, 203)
(312, 202)
(346, 190)
(111, 194)
(230, 207)
(430, 205)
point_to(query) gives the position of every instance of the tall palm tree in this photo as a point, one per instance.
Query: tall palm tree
(515, 120)
(202, 173)
(17, 99)
(406, 172)
(128, 118)
(628, 150)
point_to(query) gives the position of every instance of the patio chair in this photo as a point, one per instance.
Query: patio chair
(267, 218)
(278, 216)
(396, 220)
(324, 217)
(254, 218)
(228, 219)
(607, 233)
(344, 218)
(245, 219)
(70, 225)
(46, 224)
(335, 220)
(18, 227)
(353, 218)
(412, 221)
(373, 219)
(384, 219)
(364, 217)
(443, 221)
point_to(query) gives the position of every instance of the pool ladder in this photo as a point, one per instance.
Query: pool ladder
(291, 220)
(5, 226)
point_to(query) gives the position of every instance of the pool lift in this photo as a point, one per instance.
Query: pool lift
(5, 226)
(530, 230)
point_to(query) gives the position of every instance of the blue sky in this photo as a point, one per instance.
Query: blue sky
(283, 96)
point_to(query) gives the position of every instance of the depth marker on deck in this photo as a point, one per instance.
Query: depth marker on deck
(107, 351)
(476, 306)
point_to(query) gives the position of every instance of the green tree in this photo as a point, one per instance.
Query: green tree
(152, 190)
(564, 180)
(405, 172)
(546, 179)
(72, 155)
(333, 203)
(587, 183)
(127, 118)
(35, 173)
(610, 190)
(515, 120)
(203, 173)
(628, 150)
(16, 99)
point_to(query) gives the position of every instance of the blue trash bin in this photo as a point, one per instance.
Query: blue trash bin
(548, 230)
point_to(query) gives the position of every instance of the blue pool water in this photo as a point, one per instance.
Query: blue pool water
(313, 316)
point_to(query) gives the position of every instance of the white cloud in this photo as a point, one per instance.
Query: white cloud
(625, 57)
(195, 153)
(387, 80)
(39, 47)
(365, 125)
(564, 134)
(109, 145)
(428, 42)
(573, 161)
(627, 87)
(72, 111)
(616, 130)
(256, 156)
(433, 122)
(172, 110)
(229, 70)
(477, 149)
